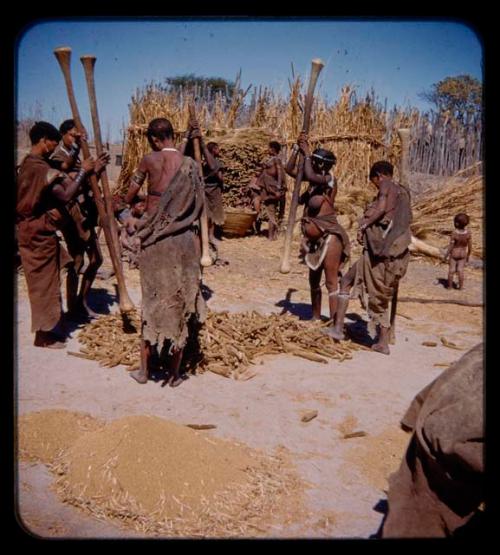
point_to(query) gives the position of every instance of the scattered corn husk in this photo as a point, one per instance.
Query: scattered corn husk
(450, 344)
(309, 415)
(229, 342)
(361, 433)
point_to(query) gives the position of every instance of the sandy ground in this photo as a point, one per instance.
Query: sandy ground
(346, 477)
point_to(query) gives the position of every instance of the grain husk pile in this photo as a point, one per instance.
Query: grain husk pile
(377, 457)
(229, 342)
(42, 436)
(162, 478)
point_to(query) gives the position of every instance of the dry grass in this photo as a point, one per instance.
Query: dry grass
(433, 214)
(359, 131)
(43, 435)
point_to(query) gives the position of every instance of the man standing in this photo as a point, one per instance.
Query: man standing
(41, 194)
(129, 242)
(78, 228)
(384, 232)
(169, 262)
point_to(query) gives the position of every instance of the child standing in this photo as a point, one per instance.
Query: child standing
(129, 241)
(459, 249)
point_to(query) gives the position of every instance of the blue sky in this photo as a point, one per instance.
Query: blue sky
(397, 58)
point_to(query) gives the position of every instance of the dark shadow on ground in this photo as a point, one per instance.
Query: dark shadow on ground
(159, 371)
(302, 310)
(443, 282)
(68, 325)
(160, 362)
(380, 507)
(358, 331)
(100, 300)
(206, 292)
(128, 325)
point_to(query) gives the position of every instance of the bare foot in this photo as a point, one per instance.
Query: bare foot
(49, 340)
(52, 345)
(333, 333)
(381, 348)
(139, 376)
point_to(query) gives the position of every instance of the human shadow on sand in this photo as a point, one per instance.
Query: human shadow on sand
(206, 292)
(99, 301)
(302, 310)
(443, 282)
(358, 330)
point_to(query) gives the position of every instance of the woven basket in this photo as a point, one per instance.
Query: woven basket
(238, 222)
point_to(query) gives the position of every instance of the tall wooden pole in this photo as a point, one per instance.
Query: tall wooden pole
(63, 56)
(206, 259)
(88, 63)
(316, 67)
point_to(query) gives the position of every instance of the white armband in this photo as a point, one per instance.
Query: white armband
(53, 174)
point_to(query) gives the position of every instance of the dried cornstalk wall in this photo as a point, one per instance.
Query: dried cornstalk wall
(359, 131)
(433, 214)
(355, 130)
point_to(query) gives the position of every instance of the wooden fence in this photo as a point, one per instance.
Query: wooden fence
(442, 146)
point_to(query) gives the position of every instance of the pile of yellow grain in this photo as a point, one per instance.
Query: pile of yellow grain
(166, 479)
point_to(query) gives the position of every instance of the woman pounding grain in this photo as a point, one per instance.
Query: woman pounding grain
(325, 245)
